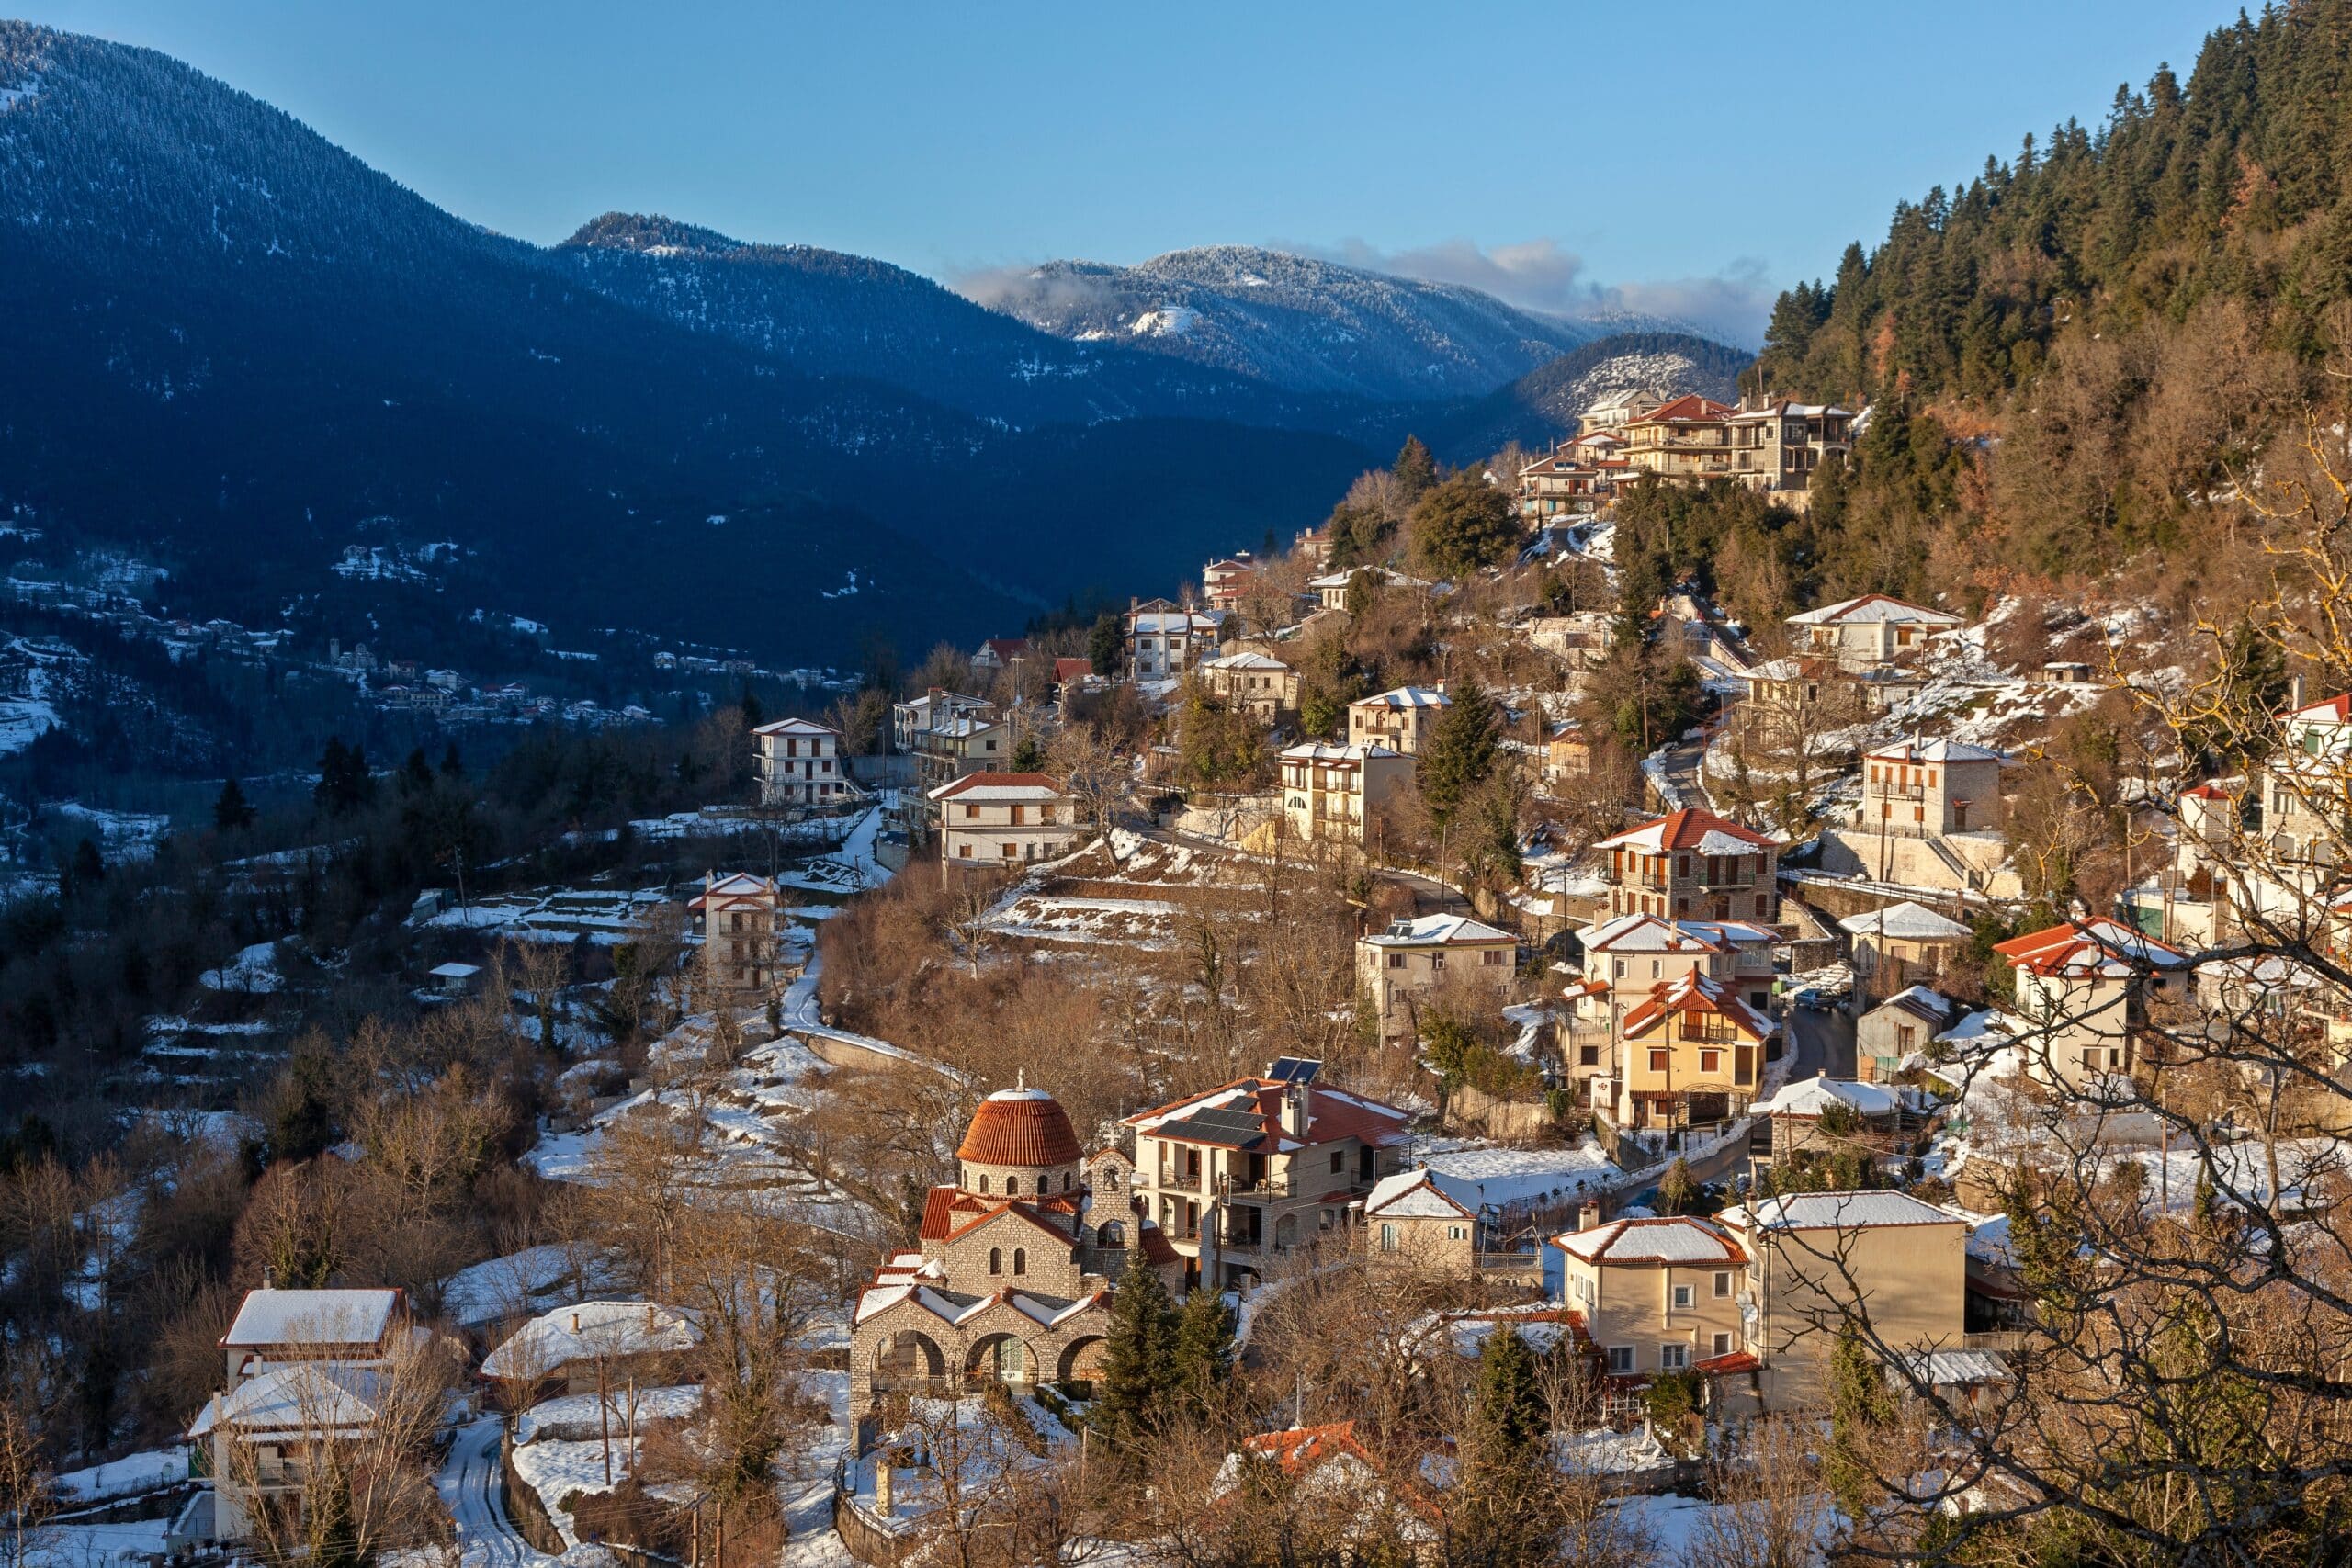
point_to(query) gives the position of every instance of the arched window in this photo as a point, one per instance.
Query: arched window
(1020, 1261)
(1011, 1186)
(1065, 1180)
(996, 1260)
(1111, 1235)
(984, 1183)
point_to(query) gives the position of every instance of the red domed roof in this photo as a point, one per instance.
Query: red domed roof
(1020, 1126)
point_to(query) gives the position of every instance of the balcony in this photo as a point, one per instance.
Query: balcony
(1232, 1186)
(1180, 1181)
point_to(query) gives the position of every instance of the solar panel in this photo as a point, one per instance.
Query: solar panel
(1295, 1069)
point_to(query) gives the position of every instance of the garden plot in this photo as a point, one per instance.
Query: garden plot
(606, 917)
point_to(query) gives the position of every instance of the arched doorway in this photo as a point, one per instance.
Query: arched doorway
(909, 1360)
(1001, 1357)
(1080, 1360)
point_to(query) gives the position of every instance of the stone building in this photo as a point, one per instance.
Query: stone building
(1012, 1278)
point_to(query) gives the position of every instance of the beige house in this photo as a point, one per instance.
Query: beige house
(1777, 446)
(949, 735)
(1567, 753)
(1565, 484)
(1657, 1295)
(2084, 988)
(1627, 959)
(301, 1367)
(1613, 415)
(1687, 440)
(1693, 864)
(1333, 792)
(578, 1349)
(741, 920)
(1010, 1281)
(1399, 967)
(1816, 1259)
(1260, 1167)
(1691, 1055)
(1330, 590)
(1889, 1035)
(1004, 819)
(1870, 632)
(1256, 684)
(1224, 582)
(1413, 1225)
(800, 763)
(1930, 816)
(1403, 719)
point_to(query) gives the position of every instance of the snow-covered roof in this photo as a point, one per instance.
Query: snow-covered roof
(1000, 788)
(1870, 608)
(1952, 1368)
(2083, 948)
(1266, 661)
(269, 1317)
(1943, 749)
(1838, 1211)
(797, 727)
(1693, 992)
(1688, 829)
(1326, 751)
(320, 1398)
(590, 1331)
(1401, 697)
(1680, 1240)
(1412, 1195)
(1987, 1028)
(1906, 921)
(1810, 1097)
(1647, 933)
(1928, 1007)
(1437, 930)
(1480, 1175)
(454, 971)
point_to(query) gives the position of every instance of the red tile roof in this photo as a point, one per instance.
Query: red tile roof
(1001, 781)
(1015, 1127)
(1302, 1448)
(1685, 828)
(1690, 406)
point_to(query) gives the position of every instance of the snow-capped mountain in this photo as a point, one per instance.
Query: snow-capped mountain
(1292, 321)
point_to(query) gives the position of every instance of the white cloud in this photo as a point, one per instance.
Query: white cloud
(1544, 275)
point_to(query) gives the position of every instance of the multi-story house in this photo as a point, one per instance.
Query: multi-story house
(1004, 819)
(1777, 446)
(1399, 967)
(741, 920)
(304, 1369)
(1693, 864)
(1012, 1278)
(949, 735)
(1227, 581)
(2085, 989)
(1403, 719)
(1868, 633)
(1565, 484)
(1612, 416)
(1816, 1259)
(1330, 590)
(2306, 811)
(1930, 816)
(800, 763)
(1658, 1295)
(1692, 1054)
(1164, 640)
(1256, 684)
(1261, 1166)
(1902, 945)
(1335, 792)
(1687, 440)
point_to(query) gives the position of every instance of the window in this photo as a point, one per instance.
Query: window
(1588, 1056)
(1387, 1238)
(1621, 969)
(1437, 960)
(1661, 1061)
(1621, 1359)
(1339, 1162)
(1012, 852)
(1673, 1358)
(1685, 1297)
(1722, 1346)
(1396, 960)
(984, 1184)
(1020, 1261)
(1723, 1283)
(1653, 969)
(1110, 1178)
(970, 811)
(1494, 958)
(1457, 1233)
(1011, 1186)
(1065, 1180)
(996, 1260)
(1710, 1061)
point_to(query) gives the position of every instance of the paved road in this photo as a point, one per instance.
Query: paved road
(469, 1484)
(1822, 1042)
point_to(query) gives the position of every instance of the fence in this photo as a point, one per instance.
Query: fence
(522, 1505)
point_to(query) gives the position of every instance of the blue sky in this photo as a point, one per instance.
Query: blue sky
(1690, 158)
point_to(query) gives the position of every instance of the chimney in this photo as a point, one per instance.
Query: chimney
(268, 1277)
(2298, 692)
(1589, 1215)
(575, 1323)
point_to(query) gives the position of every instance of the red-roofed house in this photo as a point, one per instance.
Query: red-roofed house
(1686, 439)
(1004, 819)
(1693, 864)
(739, 917)
(2085, 986)
(1693, 1054)
(1260, 1166)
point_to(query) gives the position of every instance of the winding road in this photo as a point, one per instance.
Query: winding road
(468, 1483)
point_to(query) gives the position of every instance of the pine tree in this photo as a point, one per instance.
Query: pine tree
(335, 777)
(1464, 525)
(1677, 1190)
(752, 715)
(1106, 645)
(1860, 1408)
(1414, 470)
(1462, 751)
(1138, 1362)
(416, 773)
(1202, 1353)
(89, 865)
(232, 810)
(453, 768)
(1501, 1497)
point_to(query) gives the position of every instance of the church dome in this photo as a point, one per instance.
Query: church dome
(1020, 1127)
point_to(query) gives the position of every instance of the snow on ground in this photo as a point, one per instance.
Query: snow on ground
(148, 1471)
(606, 917)
(530, 1281)
(253, 971)
(121, 835)
(126, 1545)
(1678, 1524)
(556, 1469)
(576, 1414)
(805, 1488)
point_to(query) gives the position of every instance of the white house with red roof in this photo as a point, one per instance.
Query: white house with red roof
(1693, 864)
(739, 917)
(1869, 631)
(1004, 819)
(2084, 988)
(1244, 1173)
(800, 763)
(1403, 718)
